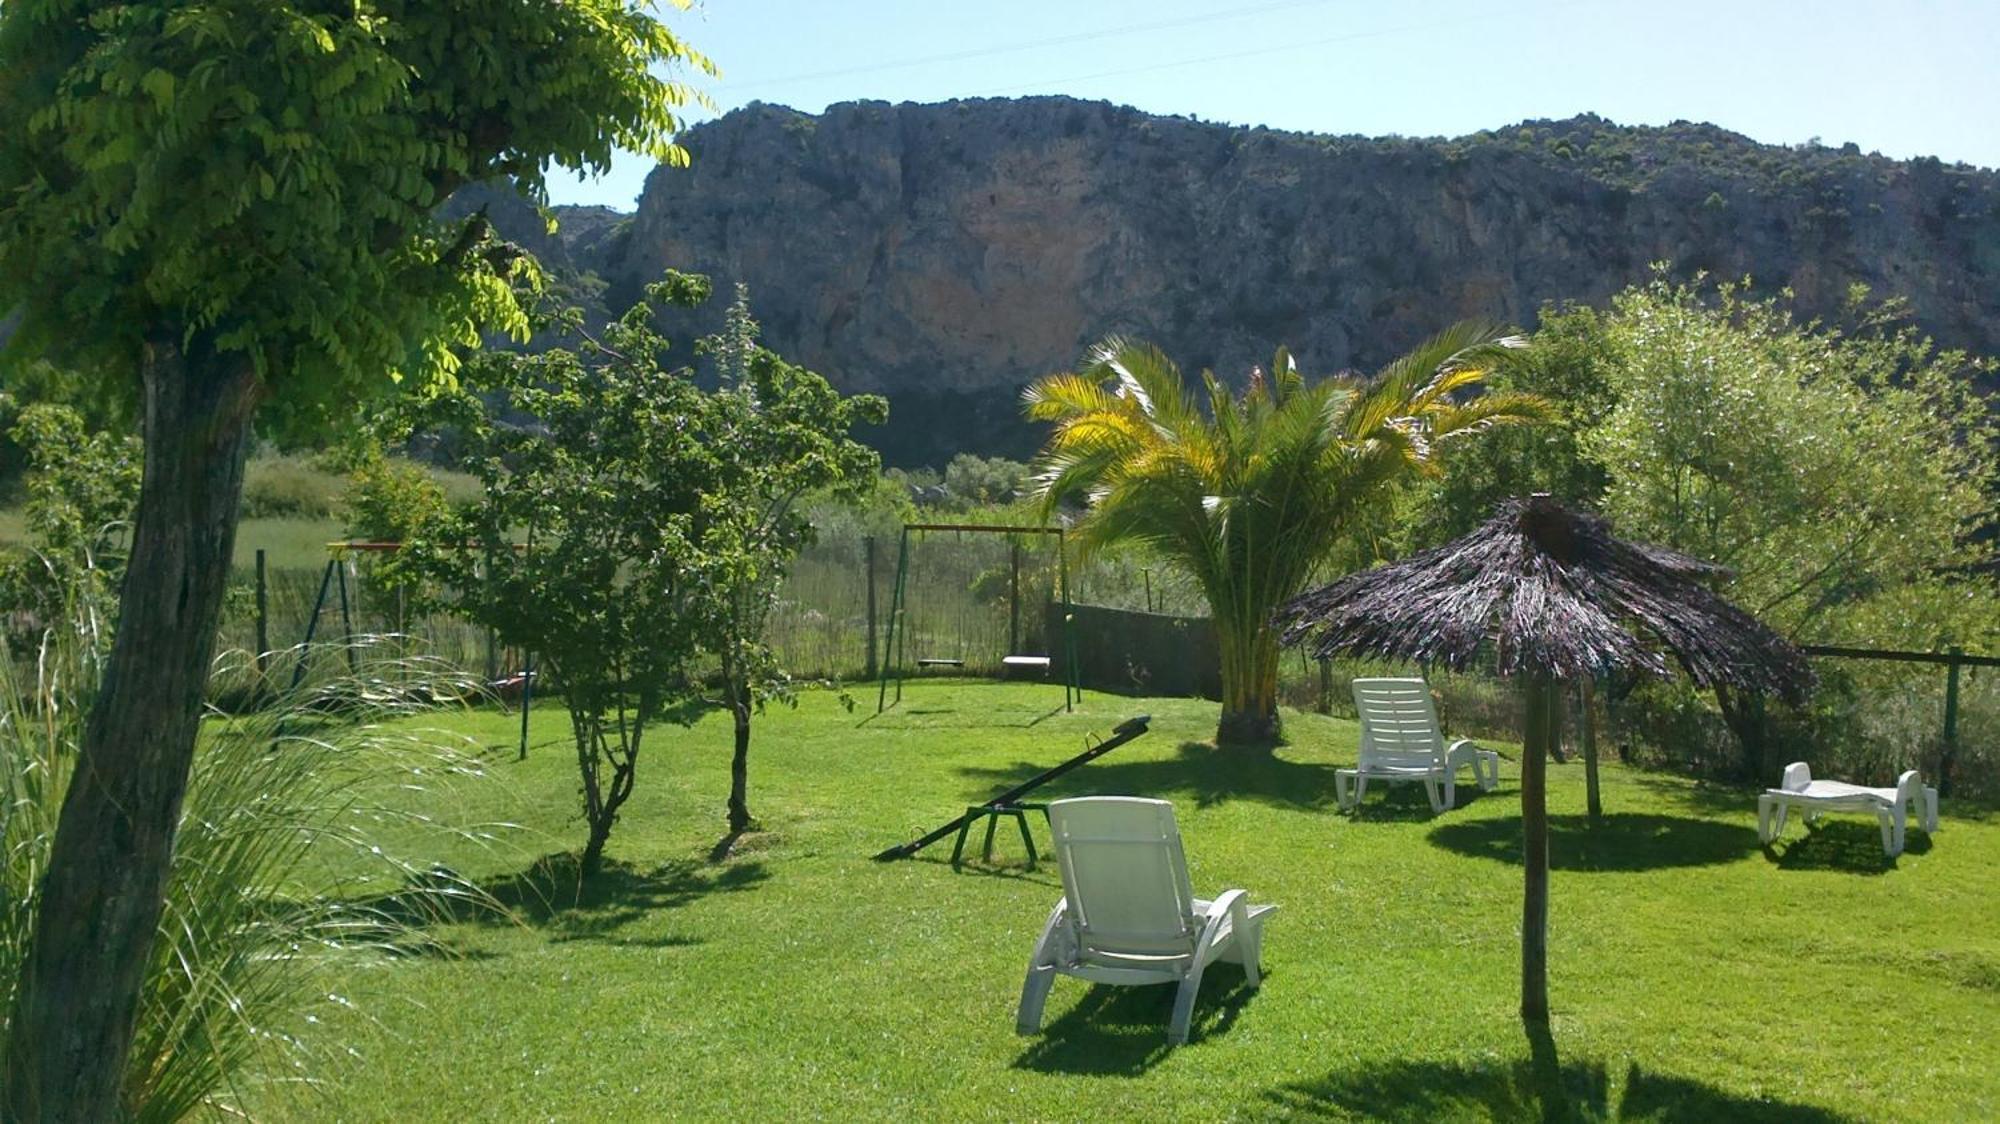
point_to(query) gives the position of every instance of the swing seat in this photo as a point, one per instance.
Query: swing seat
(940, 662)
(1026, 663)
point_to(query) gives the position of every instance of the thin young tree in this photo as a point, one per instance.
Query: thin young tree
(1251, 494)
(783, 434)
(222, 209)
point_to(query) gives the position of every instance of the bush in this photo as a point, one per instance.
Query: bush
(393, 500)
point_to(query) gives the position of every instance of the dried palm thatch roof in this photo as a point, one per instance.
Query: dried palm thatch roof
(1552, 590)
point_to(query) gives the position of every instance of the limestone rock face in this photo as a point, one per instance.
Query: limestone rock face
(945, 255)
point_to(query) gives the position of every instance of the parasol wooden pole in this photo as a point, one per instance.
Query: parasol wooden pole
(1540, 706)
(1589, 728)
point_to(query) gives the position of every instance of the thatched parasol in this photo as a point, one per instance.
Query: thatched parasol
(1555, 596)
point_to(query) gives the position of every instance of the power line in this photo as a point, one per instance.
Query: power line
(1033, 44)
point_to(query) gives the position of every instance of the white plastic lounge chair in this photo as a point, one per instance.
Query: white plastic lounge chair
(1400, 741)
(1891, 806)
(1128, 915)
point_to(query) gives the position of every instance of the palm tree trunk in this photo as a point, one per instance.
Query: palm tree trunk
(72, 1022)
(1249, 683)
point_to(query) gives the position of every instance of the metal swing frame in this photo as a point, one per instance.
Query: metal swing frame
(335, 575)
(896, 643)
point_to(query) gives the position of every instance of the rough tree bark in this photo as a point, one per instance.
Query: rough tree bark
(1743, 712)
(1539, 697)
(739, 763)
(72, 1022)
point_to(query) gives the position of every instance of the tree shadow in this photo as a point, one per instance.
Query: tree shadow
(1208, 775)
(1854, 846)
(551, 895)
(1623, 841)
(1122, 1031)
(1540, 1087)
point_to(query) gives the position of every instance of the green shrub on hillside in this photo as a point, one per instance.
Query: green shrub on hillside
(291, 486)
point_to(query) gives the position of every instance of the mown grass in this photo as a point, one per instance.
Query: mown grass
(1695, 975)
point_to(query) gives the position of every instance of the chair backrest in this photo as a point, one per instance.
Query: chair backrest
(1124, 874)
(1910, 786)
(1399, 724)
(1797, 776)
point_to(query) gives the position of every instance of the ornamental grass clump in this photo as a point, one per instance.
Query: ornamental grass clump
(278, 801)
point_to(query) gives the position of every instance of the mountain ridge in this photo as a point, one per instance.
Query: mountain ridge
(945, 254)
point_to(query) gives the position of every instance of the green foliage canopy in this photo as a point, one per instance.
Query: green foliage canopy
(641, 524)
(258, 177)
(1837, 472)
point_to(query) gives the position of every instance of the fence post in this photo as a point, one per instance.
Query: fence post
(1947, 756)
(263, 623)
(492, 641)
(868, 543)
(1325, 686)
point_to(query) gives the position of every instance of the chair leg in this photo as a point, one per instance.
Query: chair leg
(1360, 789)
(1784, 811)
(1491, 779)
(1034, 996)
(1431, 790)
(1250, 939)
(1891, 846)
(1763, 819)
(1451, 788)
(1343, 793)
(1930, 809)
(1177, 1031)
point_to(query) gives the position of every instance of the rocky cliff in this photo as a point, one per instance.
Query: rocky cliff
(946, 254)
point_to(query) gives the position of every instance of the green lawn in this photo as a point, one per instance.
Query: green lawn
(1695, 977)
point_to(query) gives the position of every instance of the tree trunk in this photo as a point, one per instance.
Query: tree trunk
(1589, 730)
(1743, 712)
(72, 1022)
(593, 847)
(1249, 684)
(1539, 697)
(739, 764)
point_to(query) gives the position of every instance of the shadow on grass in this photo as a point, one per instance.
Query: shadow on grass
(1122, 1031)
(908, 715)
(1624, 841)
(1206, 774)
(1854, 846)
(1540, 1087)
(550, 895)
(1044, 874)
(1385, 803)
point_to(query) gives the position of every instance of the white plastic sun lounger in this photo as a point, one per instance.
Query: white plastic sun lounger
(1128, 914)
(1891, 806)
(1400, 741)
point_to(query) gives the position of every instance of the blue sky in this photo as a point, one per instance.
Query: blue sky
(1911, 78)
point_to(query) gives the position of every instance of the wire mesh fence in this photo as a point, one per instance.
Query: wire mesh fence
(972, 599)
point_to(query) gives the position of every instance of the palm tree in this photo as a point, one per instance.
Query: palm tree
(1250, 495)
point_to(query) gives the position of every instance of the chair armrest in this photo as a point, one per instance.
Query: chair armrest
(1234, 907)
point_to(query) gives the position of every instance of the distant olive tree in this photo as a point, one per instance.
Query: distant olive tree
(1840, 473)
